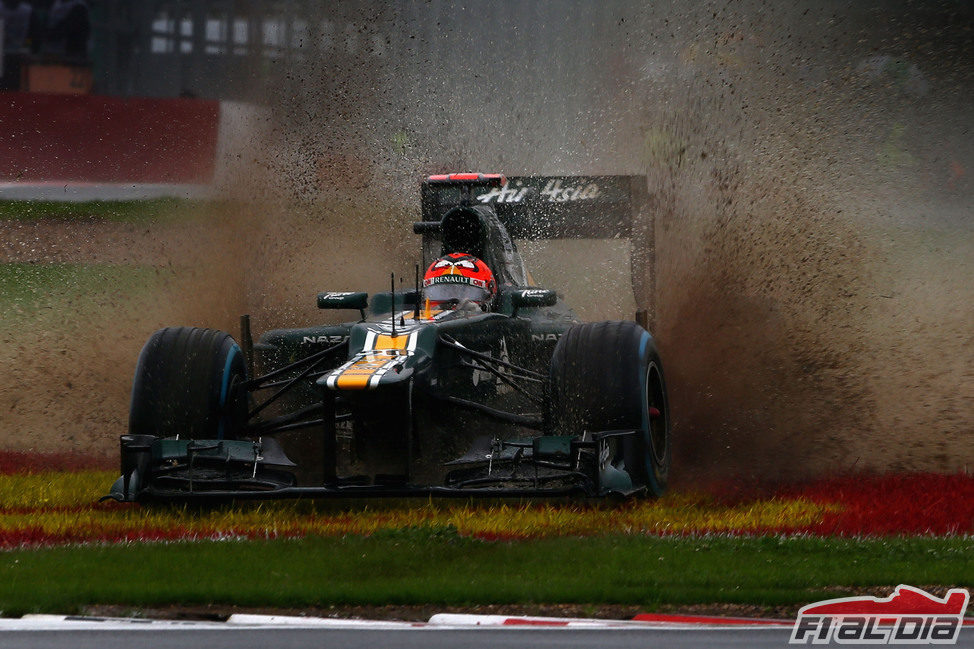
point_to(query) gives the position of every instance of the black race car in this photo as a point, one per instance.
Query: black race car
(511, 398)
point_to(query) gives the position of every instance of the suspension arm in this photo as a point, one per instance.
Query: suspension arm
(528, 421)
(450, 342)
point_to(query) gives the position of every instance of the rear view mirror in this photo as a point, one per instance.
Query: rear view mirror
(343, 300)
(532, 297)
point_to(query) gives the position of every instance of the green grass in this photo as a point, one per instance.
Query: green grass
(134, 211)
(435, 566)
(63, 292)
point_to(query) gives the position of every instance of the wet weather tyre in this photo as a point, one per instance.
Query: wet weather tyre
(608, 376)
(189, 382)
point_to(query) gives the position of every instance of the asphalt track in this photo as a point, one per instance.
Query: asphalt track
(443, 631)
(390, 639)
(36, 634)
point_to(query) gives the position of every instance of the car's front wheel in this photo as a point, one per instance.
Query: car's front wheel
(608, 376)
(189, 382)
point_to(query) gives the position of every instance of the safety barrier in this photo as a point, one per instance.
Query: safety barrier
(97, 139)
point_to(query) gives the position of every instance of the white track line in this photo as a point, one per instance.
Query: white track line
(238, 619)
(527, 622)
(68, 622)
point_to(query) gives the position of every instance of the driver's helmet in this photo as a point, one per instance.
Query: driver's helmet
(456, 279)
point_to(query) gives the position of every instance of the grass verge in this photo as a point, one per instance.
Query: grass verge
(429, 565)
(65, 291)
(133, 211)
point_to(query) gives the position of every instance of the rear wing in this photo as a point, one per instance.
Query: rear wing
(546, 207)
(556, 207)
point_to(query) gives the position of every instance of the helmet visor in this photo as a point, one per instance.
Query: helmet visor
(446, 292)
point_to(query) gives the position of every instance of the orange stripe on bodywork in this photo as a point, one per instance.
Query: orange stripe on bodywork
(390, 342)
(357, 376)
(353, 381)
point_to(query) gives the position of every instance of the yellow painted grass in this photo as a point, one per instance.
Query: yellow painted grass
(53, 489)
(60, 506)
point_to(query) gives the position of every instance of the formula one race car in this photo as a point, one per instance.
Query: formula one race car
(474, 383)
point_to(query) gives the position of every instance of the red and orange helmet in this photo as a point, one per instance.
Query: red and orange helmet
(457, 277)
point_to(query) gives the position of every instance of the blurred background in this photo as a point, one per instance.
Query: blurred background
(810, 164)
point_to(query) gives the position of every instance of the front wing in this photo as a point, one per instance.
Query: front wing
(165, 469)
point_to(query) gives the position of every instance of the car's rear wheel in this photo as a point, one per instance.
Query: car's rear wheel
(189, 382)
(608, 376)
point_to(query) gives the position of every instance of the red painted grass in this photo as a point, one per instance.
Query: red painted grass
(909, 504)
(36, 537)
(12, 462)
(875, 505)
